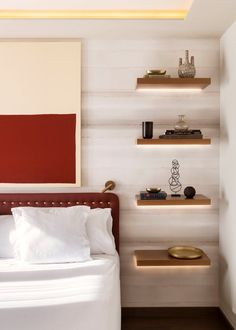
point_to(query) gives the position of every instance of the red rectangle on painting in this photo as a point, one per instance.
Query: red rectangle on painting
(38, 148)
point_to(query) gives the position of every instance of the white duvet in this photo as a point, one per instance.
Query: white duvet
(73, 296)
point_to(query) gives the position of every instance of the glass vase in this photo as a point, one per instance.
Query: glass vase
(181, 125)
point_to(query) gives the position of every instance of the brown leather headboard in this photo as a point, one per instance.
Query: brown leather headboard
(94, 200)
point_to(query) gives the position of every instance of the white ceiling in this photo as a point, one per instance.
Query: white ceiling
(95, 4)
(207, 18)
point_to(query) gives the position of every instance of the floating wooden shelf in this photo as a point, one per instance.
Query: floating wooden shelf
(173, 83)
(159, 258)
(175, 201)
(173, 141)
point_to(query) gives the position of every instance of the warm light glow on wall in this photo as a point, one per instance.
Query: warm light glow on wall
(168, 90)
(153, 207)
(172, 267)
(95, 14)
(169, 266)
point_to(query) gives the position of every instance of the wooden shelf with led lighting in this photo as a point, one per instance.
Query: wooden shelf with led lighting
(155, 258)
(173, 83)
(175, 201)
(204, 141)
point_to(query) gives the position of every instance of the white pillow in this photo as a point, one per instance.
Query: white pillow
(51, 235)
(7, 228)
(99, 229)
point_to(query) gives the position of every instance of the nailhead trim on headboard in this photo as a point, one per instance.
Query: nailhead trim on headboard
(49, 203)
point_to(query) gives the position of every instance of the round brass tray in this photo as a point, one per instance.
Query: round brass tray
(185, 252)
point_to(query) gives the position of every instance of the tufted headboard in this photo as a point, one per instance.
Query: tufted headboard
(94, 200)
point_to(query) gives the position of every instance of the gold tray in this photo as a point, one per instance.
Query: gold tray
(185, 252)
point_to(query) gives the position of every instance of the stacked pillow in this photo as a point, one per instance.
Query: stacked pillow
(7, 230)
(56, 234)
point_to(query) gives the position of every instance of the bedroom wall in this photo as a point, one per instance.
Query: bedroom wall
(227, 175)
(112, 116)
(112, 112)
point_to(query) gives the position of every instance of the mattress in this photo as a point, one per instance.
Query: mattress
(71, 296)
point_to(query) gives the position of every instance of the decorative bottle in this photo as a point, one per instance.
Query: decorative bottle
(181, 125)
(187, 69)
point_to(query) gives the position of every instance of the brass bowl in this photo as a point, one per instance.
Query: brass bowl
(156, 72)
(185, 252)
(153, 190)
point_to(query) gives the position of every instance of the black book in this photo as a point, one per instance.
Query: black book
(151, 196)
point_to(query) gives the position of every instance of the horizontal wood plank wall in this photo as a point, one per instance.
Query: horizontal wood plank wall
(112, 116)
(112, 112)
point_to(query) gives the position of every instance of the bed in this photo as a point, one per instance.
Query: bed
(71, 296)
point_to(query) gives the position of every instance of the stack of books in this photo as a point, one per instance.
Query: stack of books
(189, 134)
(152, 196)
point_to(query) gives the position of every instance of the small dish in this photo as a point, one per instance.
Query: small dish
(153, 190)
(185, 252)
(156, 72)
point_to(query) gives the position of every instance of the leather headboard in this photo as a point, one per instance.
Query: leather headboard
(94, 200)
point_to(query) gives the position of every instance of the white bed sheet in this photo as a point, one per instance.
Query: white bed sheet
(71, 296)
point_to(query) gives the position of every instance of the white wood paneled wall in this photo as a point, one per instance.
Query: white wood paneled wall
(112, 114)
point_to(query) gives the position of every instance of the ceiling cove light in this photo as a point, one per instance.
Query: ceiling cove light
(161, 14)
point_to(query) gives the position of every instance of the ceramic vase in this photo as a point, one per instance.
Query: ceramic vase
(187, 69)
(147, 129)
